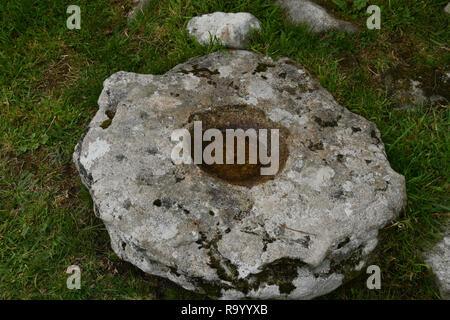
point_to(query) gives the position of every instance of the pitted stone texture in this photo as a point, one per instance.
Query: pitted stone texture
(310, 13)
(232, 29)
(297, 236)
(439, 260)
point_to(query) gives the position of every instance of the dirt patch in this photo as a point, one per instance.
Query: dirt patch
(432, 82)
(407, 67)
(395, 63)
(61, 71)
(61, 179)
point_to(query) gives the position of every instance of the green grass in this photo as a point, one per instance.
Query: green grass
(50, 80)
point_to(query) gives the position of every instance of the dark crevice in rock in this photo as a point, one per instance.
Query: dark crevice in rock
(179, 179)
(326, 123)
(105, 124)
(174, 271)
(186, 211)
(373, 134)
(120, 157)
(167, 203)
(127, 204)
(337, 194)
(110, 114)
(201, 72)
(346, 265)
(152, 151)
(202, 242)
(290, 90)
(262, 67)
(343, 243)
(315, 146)
(281, 272)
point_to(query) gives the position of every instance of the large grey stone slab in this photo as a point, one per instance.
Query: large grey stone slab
(298, 235)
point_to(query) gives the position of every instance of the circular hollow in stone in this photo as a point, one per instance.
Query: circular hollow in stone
(239, 117)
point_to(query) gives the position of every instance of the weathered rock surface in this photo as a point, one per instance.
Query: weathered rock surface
(310, 13)
(232, 29)
(297, 236)
(439, 260)
(447, 8)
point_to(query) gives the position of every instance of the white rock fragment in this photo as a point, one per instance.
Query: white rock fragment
(439, 260)
(313, 15)
(232, 29)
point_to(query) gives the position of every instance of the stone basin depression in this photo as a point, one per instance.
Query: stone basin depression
(225, 230)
